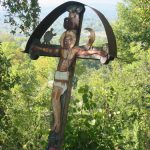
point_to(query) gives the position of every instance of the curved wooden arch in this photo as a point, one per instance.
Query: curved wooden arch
(52, 16)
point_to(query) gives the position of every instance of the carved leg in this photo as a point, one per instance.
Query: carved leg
(56, 108)
(54, 134)
(54, 138)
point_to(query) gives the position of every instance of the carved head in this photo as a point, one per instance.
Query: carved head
(68, 39)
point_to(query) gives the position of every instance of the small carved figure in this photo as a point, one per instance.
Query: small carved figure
(48, 36)
(72, 22)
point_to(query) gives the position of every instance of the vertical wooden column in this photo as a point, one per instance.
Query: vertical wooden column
(65, 99)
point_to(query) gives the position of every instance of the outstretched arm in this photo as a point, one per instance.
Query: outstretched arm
(38, 49)
(94, 54)
(82, 52)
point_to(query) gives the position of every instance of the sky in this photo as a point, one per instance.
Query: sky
(89, 2)
(55, 3)
(107, 7)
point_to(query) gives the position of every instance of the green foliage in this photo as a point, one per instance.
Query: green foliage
(132, 25)
(22, 14)
(25, 95)
(7, 81)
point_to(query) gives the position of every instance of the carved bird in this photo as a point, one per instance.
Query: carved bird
(91, 38)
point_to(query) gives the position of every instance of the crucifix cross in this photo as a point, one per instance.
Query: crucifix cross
(68, 51)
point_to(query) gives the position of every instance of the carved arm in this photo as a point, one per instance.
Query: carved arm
(38, 49)
(82, 52)
(103, 56)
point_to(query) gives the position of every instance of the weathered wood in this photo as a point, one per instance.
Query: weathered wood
(65, 99)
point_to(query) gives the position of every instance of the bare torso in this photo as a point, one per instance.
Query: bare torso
(66, 59)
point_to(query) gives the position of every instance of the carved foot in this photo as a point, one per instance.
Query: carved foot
(53, 148)
(53, 141)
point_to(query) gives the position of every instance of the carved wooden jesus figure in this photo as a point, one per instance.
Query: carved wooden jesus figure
(67, 55)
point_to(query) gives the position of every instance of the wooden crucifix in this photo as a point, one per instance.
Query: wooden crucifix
(68, 51)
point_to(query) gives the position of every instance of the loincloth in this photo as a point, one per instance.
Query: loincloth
(61, 76)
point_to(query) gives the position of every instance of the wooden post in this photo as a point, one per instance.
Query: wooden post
(65, 99)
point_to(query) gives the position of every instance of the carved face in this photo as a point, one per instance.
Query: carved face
(68, 39)
(67, 42)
